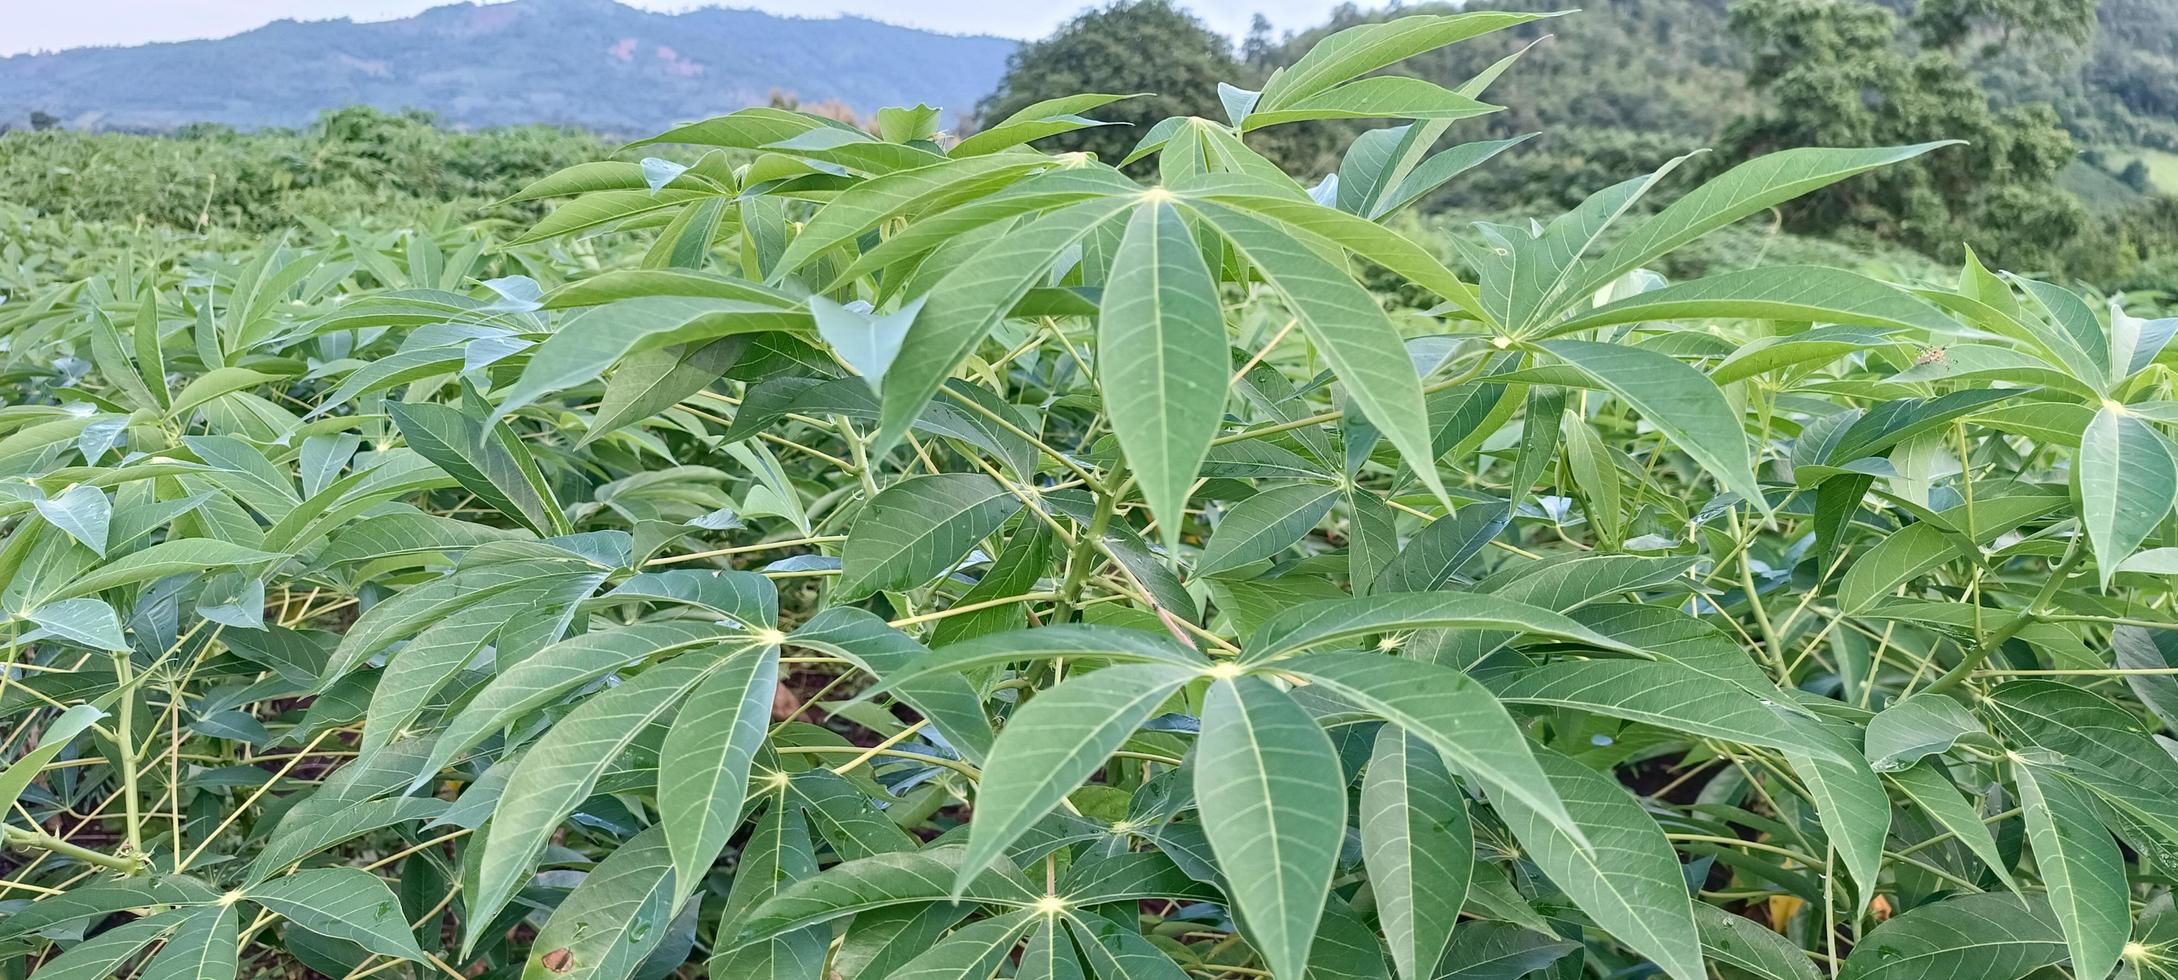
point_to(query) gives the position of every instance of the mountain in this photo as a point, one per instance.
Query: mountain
(591, 63)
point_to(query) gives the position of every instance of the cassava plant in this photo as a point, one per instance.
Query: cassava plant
(895, 556)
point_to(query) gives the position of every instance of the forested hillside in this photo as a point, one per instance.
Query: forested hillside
(590, 63)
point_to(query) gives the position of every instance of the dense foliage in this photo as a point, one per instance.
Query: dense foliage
(352, 162)
(837, 554)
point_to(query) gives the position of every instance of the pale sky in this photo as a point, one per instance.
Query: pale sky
(45, 25)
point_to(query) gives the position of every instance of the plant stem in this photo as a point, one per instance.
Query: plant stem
(125, 747)
(1079, 557)
(129, 865)
(2019, 621)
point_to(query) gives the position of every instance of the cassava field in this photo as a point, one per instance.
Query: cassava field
(796, 550)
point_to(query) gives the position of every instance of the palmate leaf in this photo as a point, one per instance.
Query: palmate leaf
(1676, 399)
(2081, 865)
(970, 300)
(1162, 359)
(1273, 800)
(917, 529)
(1344, 322)
(560, 769)
(1418, 847)
(1053, 744)
(341, 903)
(613, 918)
(1992, 936)
(1625, 877)
(2128, 483)
(1264, 525)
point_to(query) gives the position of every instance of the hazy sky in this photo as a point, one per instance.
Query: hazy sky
(35, 25)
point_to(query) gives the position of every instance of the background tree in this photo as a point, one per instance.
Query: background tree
(1837, 73)
(1147, 46)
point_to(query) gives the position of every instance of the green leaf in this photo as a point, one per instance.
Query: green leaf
(341, 903)
(1118, 952)
(1667, 695)
(103, 956)
(703, 767)
(1772, 293)
(1034, 121)
(1273, 800)
(1108, 644)
(205, 947)
(1264, 525)
(1327, 621)
(1919, 727)
(1441, 548)
(1418, 847)
(2080, 866)
(1628, 880)
(1486, 950)
(84, 512)
(614, 917)
(1987, 937)
(970, 300)
(17, 776)
(1375, 97)
(591, 341)
(2101, 745)
(1356, 51)
(559, 771)
(485, 460)
(1740, 942)
(872, 202)
(1161, 336)
(175, 556)
(1678, 400)
(652, 381)
(2128, 482)
(1925, 784)
(954, 707)
(1050, 955)
(86, 621)
(1446, 708)
(1348, 328)
(918, 528)
(1054, 743)
(1850, 803)
(1743, 190)
(867, 342)
(878, 881)
(970, 953)
(777, 853)
(562, 667)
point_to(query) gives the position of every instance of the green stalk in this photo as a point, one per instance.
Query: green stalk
(2027, 614)
(128, 865)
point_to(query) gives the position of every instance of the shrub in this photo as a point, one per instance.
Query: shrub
(900, 560)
